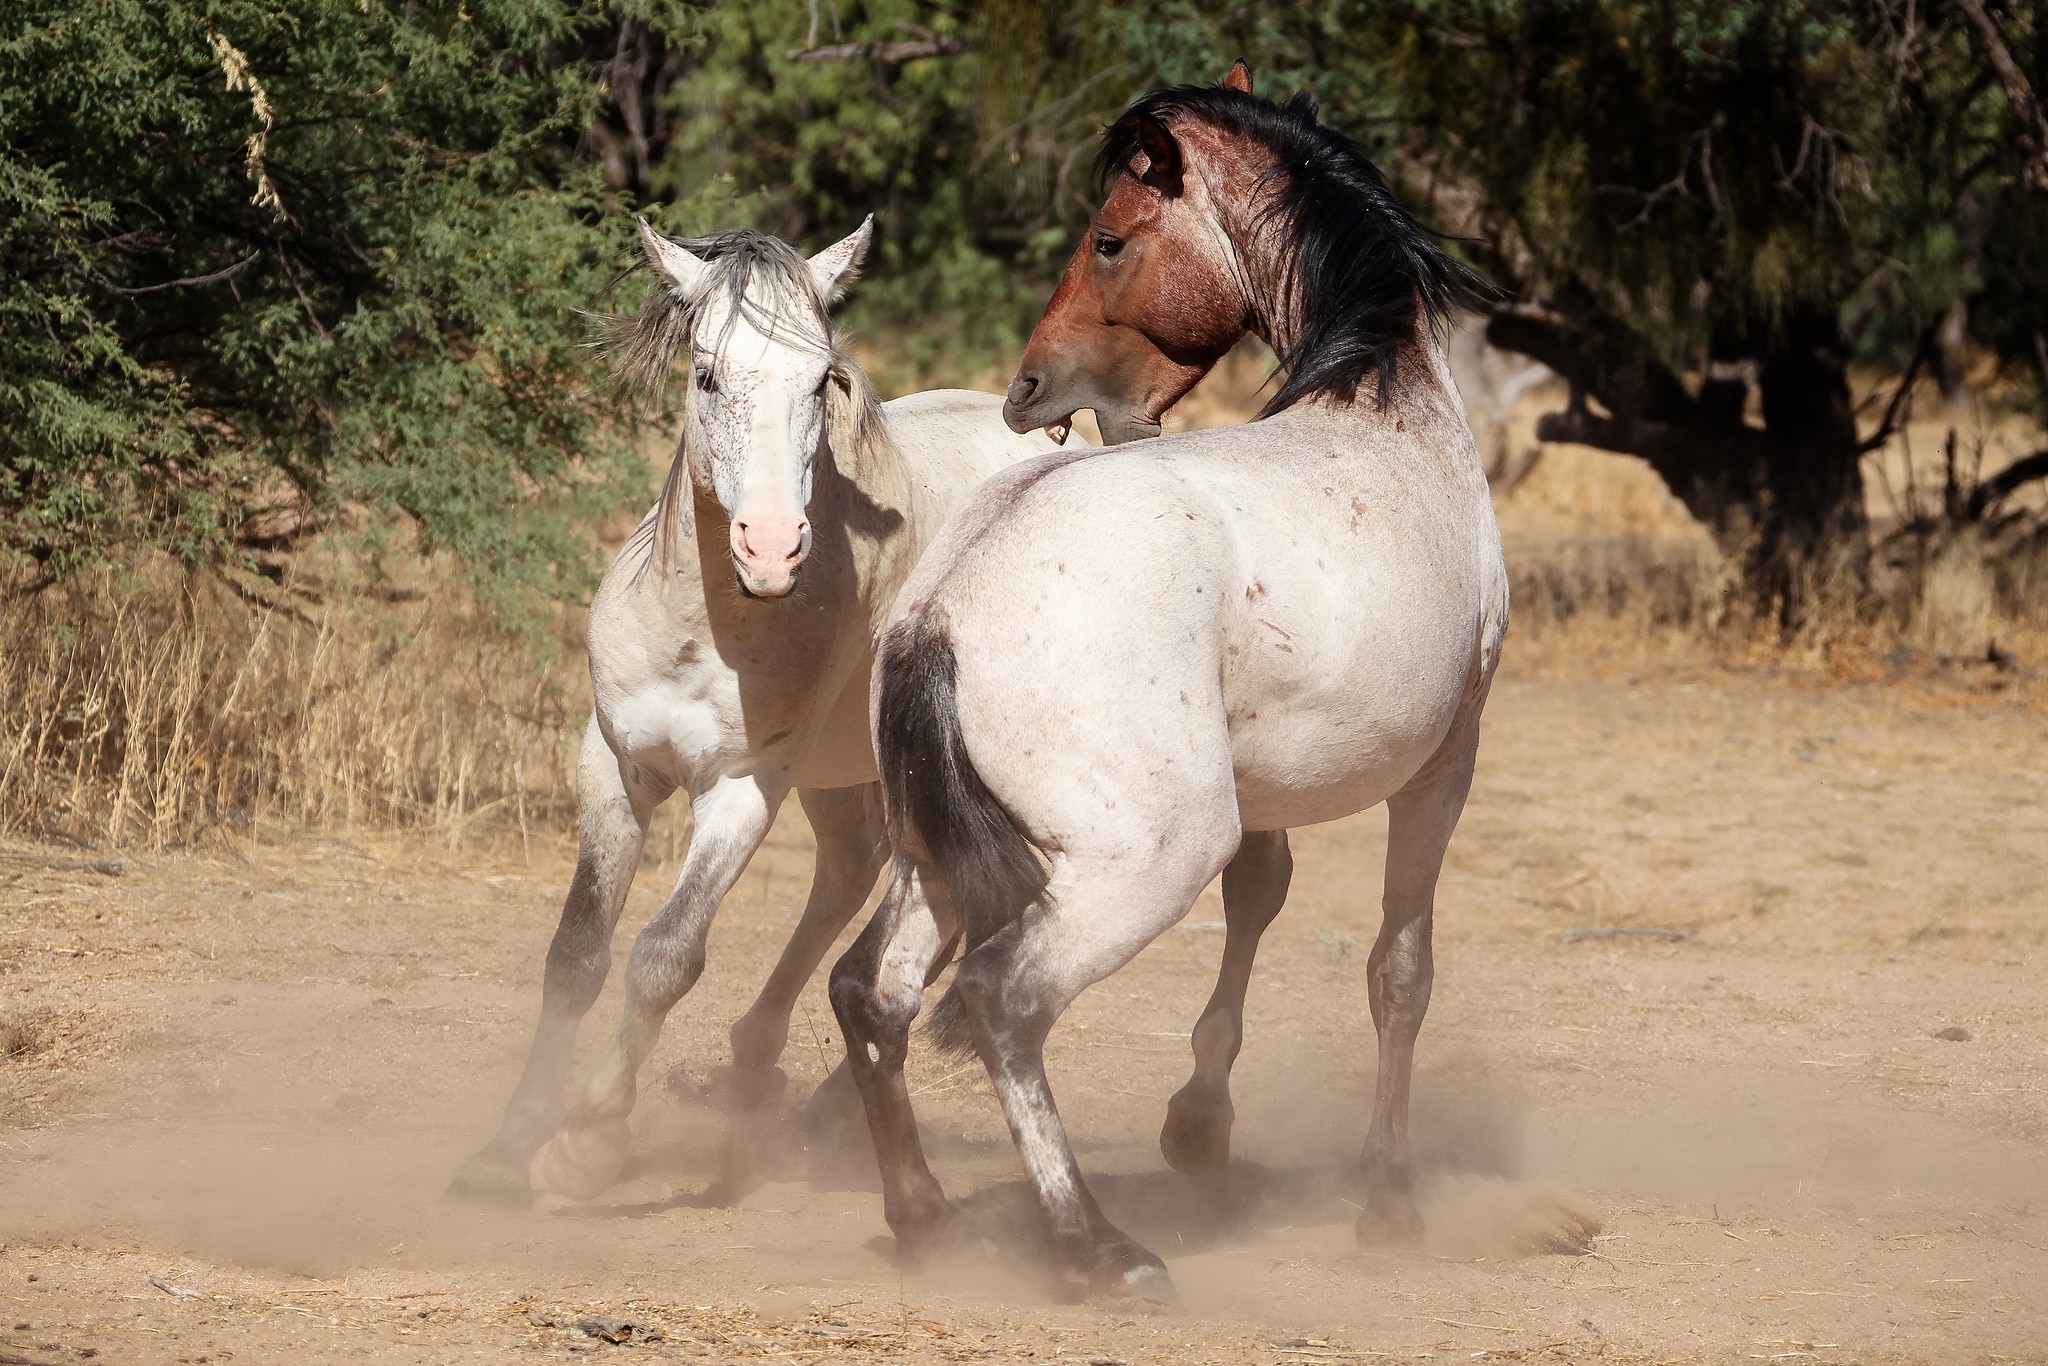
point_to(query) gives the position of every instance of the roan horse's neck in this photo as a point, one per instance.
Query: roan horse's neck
(1266, 262)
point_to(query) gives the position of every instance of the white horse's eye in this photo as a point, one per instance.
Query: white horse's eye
(706, 381)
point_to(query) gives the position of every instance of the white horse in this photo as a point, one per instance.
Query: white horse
(730, 650)
(1144, 663)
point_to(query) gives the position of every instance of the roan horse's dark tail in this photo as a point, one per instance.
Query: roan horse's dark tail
(940, 811)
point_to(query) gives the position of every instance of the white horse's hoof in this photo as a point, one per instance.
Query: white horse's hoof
(1151, 1284)
(1127, 1271)
(584, 1163)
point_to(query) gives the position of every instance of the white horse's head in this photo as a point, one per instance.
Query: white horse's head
(762, 370)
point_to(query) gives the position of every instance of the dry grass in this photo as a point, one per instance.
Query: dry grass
(1608, 569)
(149, 714)
(25, 1033)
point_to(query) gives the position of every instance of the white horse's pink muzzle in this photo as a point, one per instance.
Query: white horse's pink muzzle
(768, 554)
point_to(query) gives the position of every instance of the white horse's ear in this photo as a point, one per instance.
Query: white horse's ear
(833, 267)
(672, 262)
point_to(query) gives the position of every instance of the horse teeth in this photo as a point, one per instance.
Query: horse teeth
(1058, 432)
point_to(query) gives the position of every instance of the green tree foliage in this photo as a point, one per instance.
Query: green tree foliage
(267, 269)
(1692, 200)
(270, 268)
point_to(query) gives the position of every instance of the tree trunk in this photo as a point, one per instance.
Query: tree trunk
(1784, 500)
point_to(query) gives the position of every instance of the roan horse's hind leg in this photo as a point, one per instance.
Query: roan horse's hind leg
(611, 828)
(853, 843)
(1420, 819)
(730, 820)
(1196, 1137)
(877, 988)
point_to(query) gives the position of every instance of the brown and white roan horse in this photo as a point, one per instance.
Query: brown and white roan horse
(1143, 665)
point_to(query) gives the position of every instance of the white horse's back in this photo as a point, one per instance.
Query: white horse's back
(957, 436)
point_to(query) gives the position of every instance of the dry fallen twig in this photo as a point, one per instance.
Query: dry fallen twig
(1573, 936)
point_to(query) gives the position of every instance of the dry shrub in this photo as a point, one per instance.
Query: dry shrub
(1630, 581)
(25, 1033)
(150, 712)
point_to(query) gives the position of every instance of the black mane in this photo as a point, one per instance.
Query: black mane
(1361, 264)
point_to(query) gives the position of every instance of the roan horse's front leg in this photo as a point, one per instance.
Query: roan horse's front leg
(611, 828)
(730, 820)
(1196, 1136)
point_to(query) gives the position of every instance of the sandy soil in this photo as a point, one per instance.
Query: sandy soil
(236, 1080)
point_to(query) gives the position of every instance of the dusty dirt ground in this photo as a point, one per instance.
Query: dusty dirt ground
(236, 1080)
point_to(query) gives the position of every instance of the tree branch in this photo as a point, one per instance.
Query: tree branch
(2026, 109)
(189, 280)
(1994, 490)
(926, 44)
(1900, 397)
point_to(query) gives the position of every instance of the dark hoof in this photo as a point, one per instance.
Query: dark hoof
(1126, 1271)
(749, 1092)
(943, 1232)
(1389, 1222)
(727, 1191)
(833, 1129)
(486, 1179)
(1196, 1137)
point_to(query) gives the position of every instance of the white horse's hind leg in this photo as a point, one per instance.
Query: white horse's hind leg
(1099, 912)
(730, 821)
(1420, 819)
(1196, 1136)
(611, 827)
(852, 843)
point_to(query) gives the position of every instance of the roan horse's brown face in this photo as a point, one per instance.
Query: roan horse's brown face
(1150, 301)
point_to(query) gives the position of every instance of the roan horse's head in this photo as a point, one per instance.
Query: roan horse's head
(1151, 300)
(763, 378)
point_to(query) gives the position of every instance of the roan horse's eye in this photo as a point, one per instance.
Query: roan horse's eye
(1108, 247)
(706, 381)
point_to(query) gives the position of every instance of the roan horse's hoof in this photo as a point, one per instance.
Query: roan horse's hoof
(487, 1179)
(583, 1163)
(1388, 1222)
(1196, 1136)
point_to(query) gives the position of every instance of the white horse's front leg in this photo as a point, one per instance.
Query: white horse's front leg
(611, 825)
(731, 819)
(1196, 1136)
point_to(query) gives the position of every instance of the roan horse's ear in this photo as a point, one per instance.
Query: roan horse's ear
(1239, 77)
(1164, 172)
(672, 262)
(836, 264)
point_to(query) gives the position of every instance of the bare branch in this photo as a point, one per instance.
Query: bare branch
(1993, 491)
(2026, 109)
(188, 280)
(1901, 397)
(926, 44)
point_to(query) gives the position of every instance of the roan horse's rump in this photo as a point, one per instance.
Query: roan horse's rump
(1147, 663)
